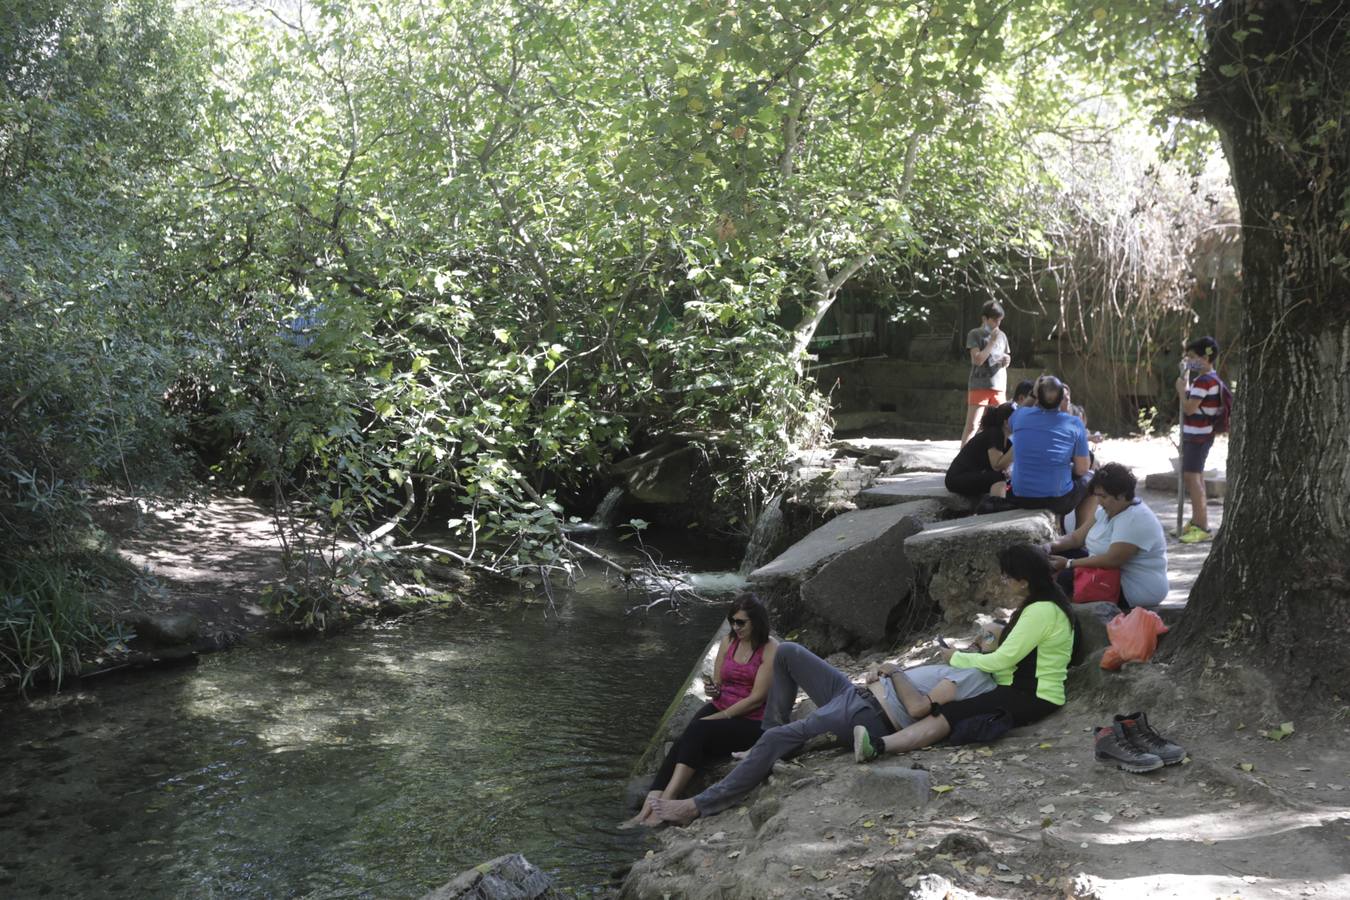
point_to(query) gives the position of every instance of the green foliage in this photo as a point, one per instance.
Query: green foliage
(48, 621)
(383, 260)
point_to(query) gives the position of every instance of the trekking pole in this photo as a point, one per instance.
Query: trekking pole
(1181, 454)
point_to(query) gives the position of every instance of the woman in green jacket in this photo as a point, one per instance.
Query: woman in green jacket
(1029, 666)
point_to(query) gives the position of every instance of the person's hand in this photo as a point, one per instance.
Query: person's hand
(946, 653)
(714, 689)
(871, 676)
(1057, 563)
(716, 715)
(1064, 403)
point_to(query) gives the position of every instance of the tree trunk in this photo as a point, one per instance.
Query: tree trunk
(1275, 590)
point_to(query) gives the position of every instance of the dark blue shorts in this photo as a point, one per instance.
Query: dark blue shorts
(1193, 455)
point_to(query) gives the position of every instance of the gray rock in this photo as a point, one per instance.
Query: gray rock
(956, 565)
(895, 780)
(1092, 619)
(663, 479)
(843, 581)
(1216, 483)
(510, 877)
(165, 629)
(911, 487)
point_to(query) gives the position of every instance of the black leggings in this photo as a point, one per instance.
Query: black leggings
(973, 483)
(1025, 708)
(703, 740)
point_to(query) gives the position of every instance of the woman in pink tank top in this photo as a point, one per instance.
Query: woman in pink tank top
(731, 721)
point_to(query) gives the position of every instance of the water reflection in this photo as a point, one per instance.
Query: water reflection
(377, 764)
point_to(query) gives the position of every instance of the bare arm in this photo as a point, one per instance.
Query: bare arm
(721, 658)
(1081, 465)
(1072, 541)
(1000, 461)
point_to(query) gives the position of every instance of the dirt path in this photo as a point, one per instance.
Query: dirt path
(211, 558)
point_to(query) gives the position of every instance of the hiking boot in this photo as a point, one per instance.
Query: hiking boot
(1113, 747)
(1142, 736)
(863, 750)
(1194, 534)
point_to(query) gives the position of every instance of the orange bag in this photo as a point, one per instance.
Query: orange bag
(1134, 637)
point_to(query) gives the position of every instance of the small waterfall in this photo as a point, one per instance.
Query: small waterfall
(768, 533)
(603, 517)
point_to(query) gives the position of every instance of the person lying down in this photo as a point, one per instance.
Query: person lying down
(889, 700)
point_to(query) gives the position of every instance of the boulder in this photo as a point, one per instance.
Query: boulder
(896, 779)
(830, 487)
(1092, 619)
(842, 583)
(910, 487)
(165, 629)
(955, 562)
(510, 877)
(663, 479)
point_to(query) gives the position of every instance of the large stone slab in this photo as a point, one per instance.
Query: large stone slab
(1216, 483)
(910, 487)
(840, 585)
(955, 562)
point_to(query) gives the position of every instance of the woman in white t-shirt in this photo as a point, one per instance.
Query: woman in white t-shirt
(1123, 534)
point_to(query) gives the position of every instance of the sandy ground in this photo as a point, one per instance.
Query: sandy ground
(210, 558)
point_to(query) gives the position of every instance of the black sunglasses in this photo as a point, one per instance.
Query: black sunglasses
(738, 623)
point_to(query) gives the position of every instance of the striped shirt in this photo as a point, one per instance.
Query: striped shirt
(1198, 427)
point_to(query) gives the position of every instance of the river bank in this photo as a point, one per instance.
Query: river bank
(1253, 812)
(376, 762)
(1034, 815)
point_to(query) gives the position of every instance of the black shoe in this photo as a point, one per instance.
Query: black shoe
(1141, 734)
(1113, 747)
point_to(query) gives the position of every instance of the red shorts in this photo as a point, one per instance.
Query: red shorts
(984, 397)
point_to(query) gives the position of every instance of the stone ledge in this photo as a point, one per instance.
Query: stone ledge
(911, 487)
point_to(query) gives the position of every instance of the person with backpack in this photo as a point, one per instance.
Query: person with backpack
(1205, 403)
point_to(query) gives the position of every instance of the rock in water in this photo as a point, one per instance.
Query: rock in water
(166, 629)
(509, 877)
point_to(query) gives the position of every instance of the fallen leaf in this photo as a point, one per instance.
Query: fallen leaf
(733, 854)
(1246, 767)
(1045, 746)
(942, 788)
(869, 824)
(1103, 817)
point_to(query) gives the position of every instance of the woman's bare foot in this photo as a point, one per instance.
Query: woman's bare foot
(676, 812)
(644, 815)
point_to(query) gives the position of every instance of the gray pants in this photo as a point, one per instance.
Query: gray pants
(839, 706)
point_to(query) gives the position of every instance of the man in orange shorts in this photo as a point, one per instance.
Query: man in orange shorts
(989, 358)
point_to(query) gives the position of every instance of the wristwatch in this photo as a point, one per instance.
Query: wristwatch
(1069, 564)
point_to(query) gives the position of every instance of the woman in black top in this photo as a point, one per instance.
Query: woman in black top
(981, 466)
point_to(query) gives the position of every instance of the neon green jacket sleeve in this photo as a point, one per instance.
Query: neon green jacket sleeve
(1037, 622)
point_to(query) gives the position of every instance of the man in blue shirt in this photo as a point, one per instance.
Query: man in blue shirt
(1050, 454)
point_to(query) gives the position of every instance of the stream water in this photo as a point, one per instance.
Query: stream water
(379, 763)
